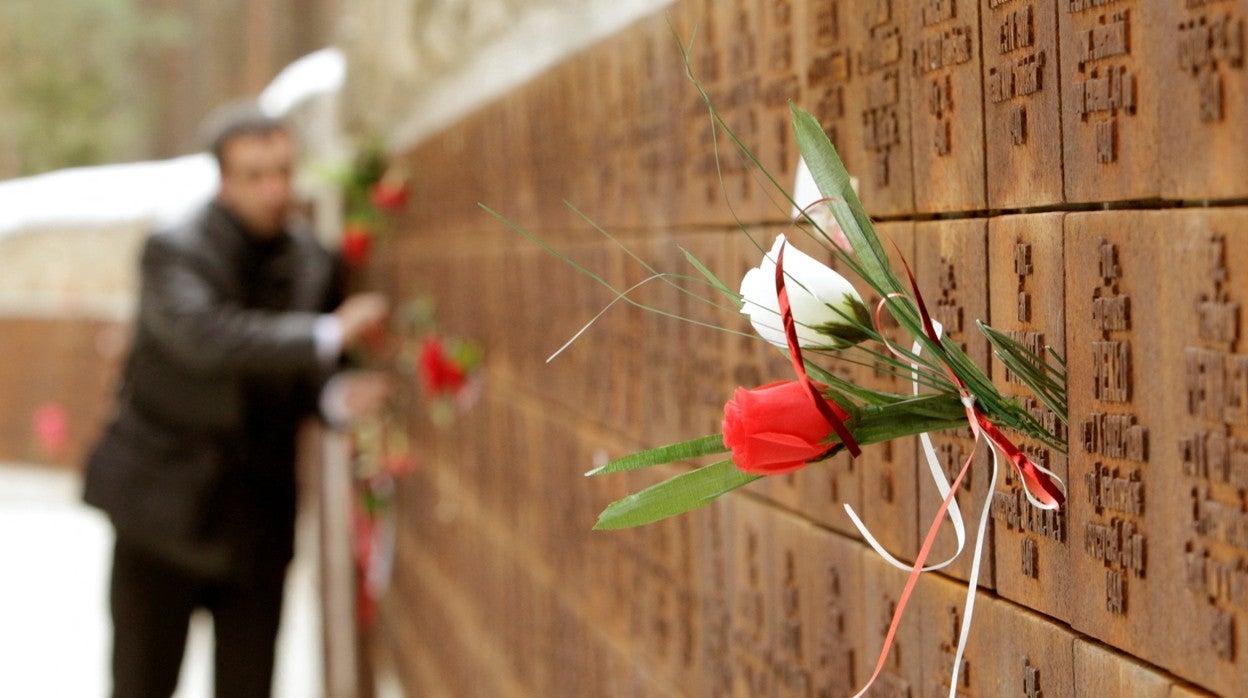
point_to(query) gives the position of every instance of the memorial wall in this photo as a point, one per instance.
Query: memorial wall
(1074, 172)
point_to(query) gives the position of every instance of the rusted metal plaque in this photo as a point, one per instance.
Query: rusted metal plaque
(1026, 653)
(702, 196)
(1202, 549)
(830, 569)
(1026, 279)
(814, 578)
(660, 149)
(1022, 112)
(939, 608)
(754, 606)
(876, 139)
(783, 43)
(665, 598)
(902, 674)
(739, 102)
(946, 105)
(951, 264)
(1111, 94)
(1201, 63)
(1105, 673)
(713, 579)
(831, 76)
(1116, 507)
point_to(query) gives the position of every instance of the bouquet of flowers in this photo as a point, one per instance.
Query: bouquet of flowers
(445, 369)
(819, 318)
(446, 373)
(380, 454)
(373, 188)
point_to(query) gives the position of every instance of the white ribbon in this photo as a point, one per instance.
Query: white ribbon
(938, 476)
(955, 516)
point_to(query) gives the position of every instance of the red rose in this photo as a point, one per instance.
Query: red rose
(357, 240)
(439, 373)
(774, 429)
(388, 196)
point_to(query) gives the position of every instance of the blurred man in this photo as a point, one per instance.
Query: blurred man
(238, 337)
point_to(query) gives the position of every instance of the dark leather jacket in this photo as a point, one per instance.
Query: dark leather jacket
(198, 462)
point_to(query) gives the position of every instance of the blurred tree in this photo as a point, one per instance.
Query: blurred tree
(68, 94)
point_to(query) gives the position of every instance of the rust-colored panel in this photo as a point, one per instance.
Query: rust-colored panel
(754, 606)
(951, 264)
(713, 574)
(783, 62)
(946, 105)
(833, 625)
(1027, 284)
(1111, 96)
(817, 625)
(939, 606)
(1116, 508)
(1022, 111)
(902, 674)
(1103, 672)
(877, 135)
(831, 77)
(888, 503)
(1033, 656)
(1201, 548)
(1202, 70)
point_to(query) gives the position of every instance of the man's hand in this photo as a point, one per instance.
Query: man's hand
(362, 314)
(354, 394)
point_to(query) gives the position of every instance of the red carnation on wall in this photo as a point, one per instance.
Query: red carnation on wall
(389, 196)
(440, 374)
(357, 242)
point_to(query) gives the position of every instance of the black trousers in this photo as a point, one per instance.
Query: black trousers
(151, 606)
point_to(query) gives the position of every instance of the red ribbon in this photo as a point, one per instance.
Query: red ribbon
(1036, 482)
(831, 411)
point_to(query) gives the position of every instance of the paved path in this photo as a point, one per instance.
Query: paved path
(55, 632)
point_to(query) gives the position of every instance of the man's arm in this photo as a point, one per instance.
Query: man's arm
(184, 312)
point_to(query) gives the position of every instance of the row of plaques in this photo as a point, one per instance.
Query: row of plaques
(1150, 553)
(935, 105)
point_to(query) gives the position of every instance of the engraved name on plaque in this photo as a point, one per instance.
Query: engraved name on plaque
(784, 50)
(1207, 99)
(1030, 654)
(741, 106)
(902, 674)
(1207, 538)
(830, 73)
(939, 607)
(946, 106)
(1028, 290)
(1110, 94)
(952, 270)
(877, 135)
(1114, 491)
(830, 568)
(1022, 112)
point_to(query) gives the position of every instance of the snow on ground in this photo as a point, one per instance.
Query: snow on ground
(55, 631)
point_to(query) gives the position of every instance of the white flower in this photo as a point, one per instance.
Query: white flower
(821, 299)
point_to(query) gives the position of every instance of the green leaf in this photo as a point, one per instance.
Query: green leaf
(834, 183)
(701, 446)
(711, 278)
(678, 495)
